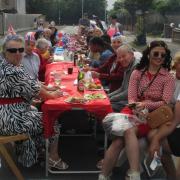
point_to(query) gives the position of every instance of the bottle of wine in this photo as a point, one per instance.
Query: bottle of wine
(75, 58)
(80, 85)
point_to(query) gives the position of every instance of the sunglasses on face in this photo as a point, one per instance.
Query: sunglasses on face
(14, 50)
(157, 54)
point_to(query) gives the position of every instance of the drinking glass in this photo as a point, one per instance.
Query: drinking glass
(57, 79)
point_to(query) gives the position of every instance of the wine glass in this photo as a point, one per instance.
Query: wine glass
(57, 79)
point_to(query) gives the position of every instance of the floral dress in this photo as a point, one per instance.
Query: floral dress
(17, 118)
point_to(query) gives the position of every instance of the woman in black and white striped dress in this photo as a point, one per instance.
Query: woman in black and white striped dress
(17, 90)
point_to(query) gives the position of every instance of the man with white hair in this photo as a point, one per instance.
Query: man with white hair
(118, 98)
(31, 61)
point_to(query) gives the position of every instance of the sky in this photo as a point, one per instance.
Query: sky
(110, 4)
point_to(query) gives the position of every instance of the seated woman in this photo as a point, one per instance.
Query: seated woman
(117, 40)
(47, 35)
(97, 32)
(17, 91)
(150, 86)
(167, 135)
(96, 44)
(42, 49)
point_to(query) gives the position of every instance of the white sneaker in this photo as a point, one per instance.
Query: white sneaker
(133, 175)
(102, 177)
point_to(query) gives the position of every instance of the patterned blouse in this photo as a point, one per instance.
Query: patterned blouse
(159, 92)
(14, 82)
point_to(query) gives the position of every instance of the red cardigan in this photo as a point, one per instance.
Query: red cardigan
(115, 77)
(42, 68)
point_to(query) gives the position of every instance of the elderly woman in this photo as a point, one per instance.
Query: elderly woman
(97, 32)
(150, 86)
(47, 35)
(42, 49)
(116, 41)
(17, 91)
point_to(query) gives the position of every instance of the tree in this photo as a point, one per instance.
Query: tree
(70, 10)
(166, 6)
(133, 6)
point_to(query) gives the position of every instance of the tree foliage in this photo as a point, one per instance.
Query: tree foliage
(161, 6)
(70, 10)
(166, 6)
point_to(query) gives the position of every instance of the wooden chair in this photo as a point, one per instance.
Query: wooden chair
(8, 139)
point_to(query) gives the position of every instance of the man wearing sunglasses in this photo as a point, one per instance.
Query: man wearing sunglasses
(31, 61)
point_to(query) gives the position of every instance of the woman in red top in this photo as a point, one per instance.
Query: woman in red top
(151, 86)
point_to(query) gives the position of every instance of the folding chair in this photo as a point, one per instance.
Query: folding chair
(8, 139)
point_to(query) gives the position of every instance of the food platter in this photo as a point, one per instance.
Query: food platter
(76, 100)
(94, 96)
(93, 86)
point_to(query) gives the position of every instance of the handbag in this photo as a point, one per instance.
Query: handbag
(160, 116)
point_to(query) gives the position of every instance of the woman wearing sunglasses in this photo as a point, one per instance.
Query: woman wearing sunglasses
(150, 86)
(17, 91)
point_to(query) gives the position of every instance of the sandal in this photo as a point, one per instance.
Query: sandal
(54, 166)
(99, 164)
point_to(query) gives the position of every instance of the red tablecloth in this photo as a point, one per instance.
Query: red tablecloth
(53, 108)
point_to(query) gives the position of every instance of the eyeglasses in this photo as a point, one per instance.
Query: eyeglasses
(157, 54)
(14, 50)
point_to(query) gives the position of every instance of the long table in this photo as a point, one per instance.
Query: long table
(52, 109)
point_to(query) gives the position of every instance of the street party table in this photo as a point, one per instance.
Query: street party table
(52, 109)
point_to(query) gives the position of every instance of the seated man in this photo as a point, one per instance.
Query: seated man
(118, 98)
(31, 61)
